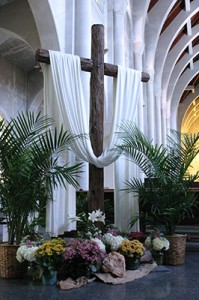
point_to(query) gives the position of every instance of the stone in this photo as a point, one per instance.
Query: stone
(147, 257)
(114, 263)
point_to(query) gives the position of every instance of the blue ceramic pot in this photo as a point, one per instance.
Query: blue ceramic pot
(49, 278)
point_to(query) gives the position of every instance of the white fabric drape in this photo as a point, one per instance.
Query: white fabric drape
(64, 92)
(65, 76)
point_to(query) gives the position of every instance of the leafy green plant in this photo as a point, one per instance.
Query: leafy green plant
(82, 207)
(165, 194)
(30, 168)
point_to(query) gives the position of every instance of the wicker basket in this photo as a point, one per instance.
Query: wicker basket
(9, 266)
(176, 253)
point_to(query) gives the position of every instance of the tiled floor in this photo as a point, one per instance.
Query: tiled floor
(165, 282)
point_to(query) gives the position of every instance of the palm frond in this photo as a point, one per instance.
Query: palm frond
(164, 195)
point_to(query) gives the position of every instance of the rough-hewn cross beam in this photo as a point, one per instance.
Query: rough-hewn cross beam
(42, 56)
(98, 69)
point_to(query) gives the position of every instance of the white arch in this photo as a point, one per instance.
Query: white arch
(168, 36)
(45, 24)
(155, 21)
(177, 71)
(184, 106)
(191, 115)
(153, 26)
(174, 55)
(179, 88)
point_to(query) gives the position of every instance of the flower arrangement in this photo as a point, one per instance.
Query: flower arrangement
(32, 239)
(137, 235)
(156, 242)
(112, 241)
(91, 225)
(28, 246)
(83, 252)
(26, 253)
(132, 248)
(49, 256)
(100, 243)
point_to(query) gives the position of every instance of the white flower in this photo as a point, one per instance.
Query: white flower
(102, 219)
(112, 241)
(92, 217)
(148, 242)
(157, 244)
(97, 216)
(74, 219)
(25, 253)
(100, 244)
(166, 243)
(29, 254)
(20, 253)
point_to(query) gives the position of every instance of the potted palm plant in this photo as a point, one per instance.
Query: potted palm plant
(30, 147)
(165, 196)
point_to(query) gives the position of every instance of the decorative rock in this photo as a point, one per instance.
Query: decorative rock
(147, 257)
(114, 263)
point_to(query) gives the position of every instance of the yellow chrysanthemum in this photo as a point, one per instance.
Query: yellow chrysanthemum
(131, 248)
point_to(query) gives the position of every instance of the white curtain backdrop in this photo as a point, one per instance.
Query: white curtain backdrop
(64, 100)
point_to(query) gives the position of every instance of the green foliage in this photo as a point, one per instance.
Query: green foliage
(82, 208)
(30, 164)
(165, 193)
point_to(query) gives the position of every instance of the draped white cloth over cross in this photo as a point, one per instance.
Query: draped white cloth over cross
(65, 102)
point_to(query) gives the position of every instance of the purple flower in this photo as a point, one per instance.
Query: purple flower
(83, 250)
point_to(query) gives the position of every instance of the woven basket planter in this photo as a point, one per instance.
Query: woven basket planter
(176, 253)
(9, 266)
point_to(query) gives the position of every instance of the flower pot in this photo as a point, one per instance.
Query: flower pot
(158, 257)
(79, 270)
(9, 266)
(132, 263)
(49, 278)
(176, 253)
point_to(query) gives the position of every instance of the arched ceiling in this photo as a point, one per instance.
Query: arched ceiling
(180, 69)
(177, 50)
(18, 34)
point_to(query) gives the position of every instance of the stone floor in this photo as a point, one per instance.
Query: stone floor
(165, 282)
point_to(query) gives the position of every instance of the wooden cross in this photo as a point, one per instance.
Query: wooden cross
(98, 69)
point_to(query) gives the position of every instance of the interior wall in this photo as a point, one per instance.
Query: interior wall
(20, 83)
(13, 88)
(35, 90)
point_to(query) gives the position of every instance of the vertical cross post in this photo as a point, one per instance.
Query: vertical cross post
(98, 69)
(96, 175)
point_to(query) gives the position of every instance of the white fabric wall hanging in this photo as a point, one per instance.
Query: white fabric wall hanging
(64, 92)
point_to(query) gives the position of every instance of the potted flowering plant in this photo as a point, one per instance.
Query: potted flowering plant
(26, 253)
(132, 251)
(156, 241)
(83, 257)
(157, 244)
(112, 240)
(27, 247)
(49, 258)
(137, 235)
